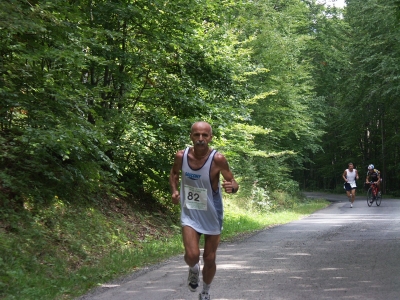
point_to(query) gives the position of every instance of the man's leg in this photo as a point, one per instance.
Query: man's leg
(378, 187)
(375, 191)
(191, 243)
(353, 195)
(348, 195)
(192, 256)
(209, 257)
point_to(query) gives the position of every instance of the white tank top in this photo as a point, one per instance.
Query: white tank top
(201, 207)
(351, 177)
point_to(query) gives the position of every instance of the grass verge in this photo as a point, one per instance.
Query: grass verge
(61, 252)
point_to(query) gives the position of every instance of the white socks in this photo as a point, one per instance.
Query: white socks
(206, 287)
(195, 268)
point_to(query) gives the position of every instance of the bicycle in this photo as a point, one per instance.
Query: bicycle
(373, 195)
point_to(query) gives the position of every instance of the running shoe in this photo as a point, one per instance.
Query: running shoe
(193, 279)
(351, 205)
(204, 296)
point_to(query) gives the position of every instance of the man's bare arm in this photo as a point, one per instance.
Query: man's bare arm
(174, 177)
(344, 175)
(229, 184)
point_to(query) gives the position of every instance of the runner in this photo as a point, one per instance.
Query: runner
(201, 202)
(349, 176)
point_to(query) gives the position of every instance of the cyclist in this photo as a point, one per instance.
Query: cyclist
(373, 176)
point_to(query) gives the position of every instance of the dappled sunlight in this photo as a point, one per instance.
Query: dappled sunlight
(307, 265)
(262, 272)
(110, 285)
(233, 266)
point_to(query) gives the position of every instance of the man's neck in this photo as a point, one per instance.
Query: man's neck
(200, 154)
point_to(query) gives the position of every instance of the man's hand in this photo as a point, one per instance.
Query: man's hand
(175, 197)
(229, 186)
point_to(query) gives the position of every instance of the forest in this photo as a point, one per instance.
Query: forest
(97, 96)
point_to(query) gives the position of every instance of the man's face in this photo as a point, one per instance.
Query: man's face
(201, 134)
(370, 170)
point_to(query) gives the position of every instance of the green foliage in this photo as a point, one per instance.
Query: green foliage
(279, 92)
(328, 53)
(47, 251)
(48, 146)
(263, 200)
(357, 57)
(97, 97)
(375, 57)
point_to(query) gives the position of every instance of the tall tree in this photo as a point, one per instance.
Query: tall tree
(280, 89)
(46, 146)
(358, 77)
(328, 52)
(95, 91)
(375, 61)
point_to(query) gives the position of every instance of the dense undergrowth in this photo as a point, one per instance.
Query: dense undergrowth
(62, 251)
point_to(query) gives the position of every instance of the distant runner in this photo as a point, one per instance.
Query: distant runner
(349, 176)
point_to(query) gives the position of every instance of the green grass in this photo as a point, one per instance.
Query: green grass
(62, 251)
(238, 220)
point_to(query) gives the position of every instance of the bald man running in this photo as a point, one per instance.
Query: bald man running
(200, 197)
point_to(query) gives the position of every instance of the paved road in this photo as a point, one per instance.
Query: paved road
(336, 253)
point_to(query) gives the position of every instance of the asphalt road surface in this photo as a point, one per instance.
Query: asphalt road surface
(336, 253)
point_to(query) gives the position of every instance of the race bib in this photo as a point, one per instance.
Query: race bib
(195, 198)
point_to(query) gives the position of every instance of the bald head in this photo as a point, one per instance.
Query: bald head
(201, 126)
(201, 134)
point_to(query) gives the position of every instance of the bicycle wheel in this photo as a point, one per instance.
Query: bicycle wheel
(378, 199)
(369, 196)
